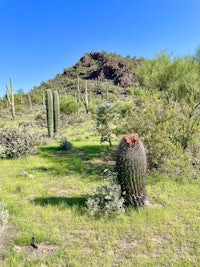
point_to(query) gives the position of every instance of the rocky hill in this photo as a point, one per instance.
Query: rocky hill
(99, 66)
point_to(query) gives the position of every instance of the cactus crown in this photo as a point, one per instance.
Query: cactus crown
(131, 139)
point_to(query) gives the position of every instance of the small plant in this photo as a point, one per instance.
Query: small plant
(66, 145)
(107, 200)
(16, 142)
(4, 215)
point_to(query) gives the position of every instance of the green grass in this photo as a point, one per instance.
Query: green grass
(50, 204)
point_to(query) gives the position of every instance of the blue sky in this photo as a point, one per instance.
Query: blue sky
(39, 38)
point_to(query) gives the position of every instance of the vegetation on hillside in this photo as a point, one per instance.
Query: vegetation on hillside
(51, 194)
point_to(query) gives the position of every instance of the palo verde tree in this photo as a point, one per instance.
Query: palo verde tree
(175, 81)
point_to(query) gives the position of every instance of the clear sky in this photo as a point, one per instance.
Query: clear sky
(39, 38)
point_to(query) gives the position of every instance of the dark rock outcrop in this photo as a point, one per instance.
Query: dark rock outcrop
(100, 65)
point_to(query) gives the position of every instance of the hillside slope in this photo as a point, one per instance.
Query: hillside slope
(99, 66)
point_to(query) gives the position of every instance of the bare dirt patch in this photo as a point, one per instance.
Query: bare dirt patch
(5, 238)
(45, 250)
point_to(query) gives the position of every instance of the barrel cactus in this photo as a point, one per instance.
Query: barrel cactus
(131, 167)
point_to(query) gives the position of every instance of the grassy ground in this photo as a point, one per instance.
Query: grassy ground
(45, 196)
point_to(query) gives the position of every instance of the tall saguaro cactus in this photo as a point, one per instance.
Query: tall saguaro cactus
(10, 98)
(30, 101)
(56, 111)
(78, 90)
(131, 168)
(85, 99)
(53, 112)
(49, 110)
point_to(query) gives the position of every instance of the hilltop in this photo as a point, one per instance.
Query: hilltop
(99, 66)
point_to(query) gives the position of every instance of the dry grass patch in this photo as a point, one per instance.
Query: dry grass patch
(6, 237)
(45, 250)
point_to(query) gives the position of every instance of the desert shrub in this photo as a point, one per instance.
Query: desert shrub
(107, 200)
(130, 90)
(18, 141)
(92, 109)
(65, 144)
(176, 82)
(4, 215)
(125, 109)
(41, 119)
(69, 105)
(161, 125)
(106, 122)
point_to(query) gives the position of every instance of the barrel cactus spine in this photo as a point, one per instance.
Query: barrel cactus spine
(131, 165)
(56, 111)
(49, 112)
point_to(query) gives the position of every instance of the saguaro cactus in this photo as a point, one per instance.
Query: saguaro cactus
(10, 98)
(131, 167)
(43, 99)
(56, 111)
(30, 101)
(49, 110)
(78, 90)
(85, 99)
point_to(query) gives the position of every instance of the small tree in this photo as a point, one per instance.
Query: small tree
(105, 122)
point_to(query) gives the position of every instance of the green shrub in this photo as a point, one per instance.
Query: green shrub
(40, 118)
(69, 105)
(107, 200)
(18, 141)
(4, 215)
(66, 145)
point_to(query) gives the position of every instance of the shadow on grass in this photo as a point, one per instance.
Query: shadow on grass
(56, 201)
(50, 150)
(87, 160)
(83, 151)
